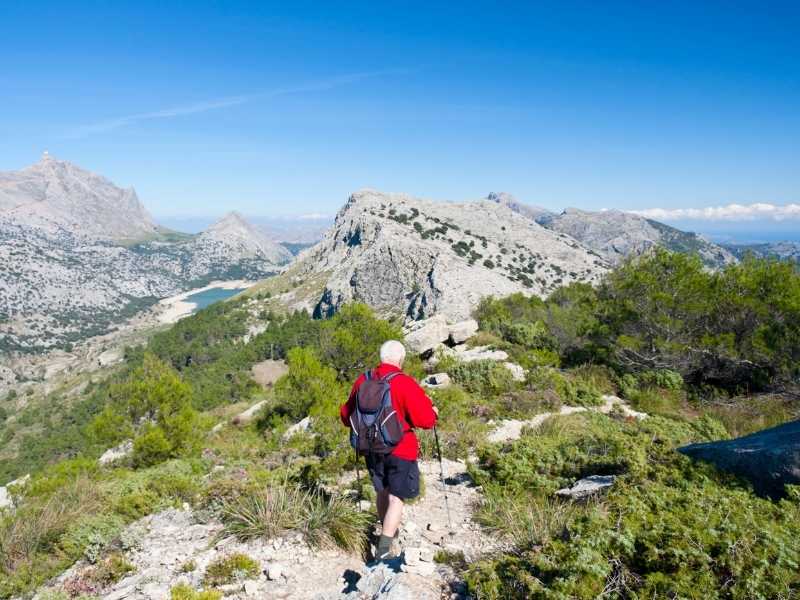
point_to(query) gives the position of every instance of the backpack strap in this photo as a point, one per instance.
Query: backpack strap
(387, 378)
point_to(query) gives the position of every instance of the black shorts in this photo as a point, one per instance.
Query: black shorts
(399, 476)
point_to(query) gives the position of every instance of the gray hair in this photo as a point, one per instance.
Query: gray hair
(393, 352)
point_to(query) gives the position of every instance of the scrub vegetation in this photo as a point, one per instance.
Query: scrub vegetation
(709, 355)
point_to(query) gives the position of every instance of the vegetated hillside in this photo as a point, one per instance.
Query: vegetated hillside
(671, 338)
(782, 250)
(79, 255)
(617, 235)
(415, 258)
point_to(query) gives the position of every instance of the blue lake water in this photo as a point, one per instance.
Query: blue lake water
(208, 297)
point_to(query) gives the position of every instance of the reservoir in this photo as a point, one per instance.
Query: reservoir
(210, 296)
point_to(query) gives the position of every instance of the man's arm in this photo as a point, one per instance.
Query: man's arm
(346, 409)
(419, 408)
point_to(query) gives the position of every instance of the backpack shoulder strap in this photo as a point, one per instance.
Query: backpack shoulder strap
(367, 375)
(391, 376)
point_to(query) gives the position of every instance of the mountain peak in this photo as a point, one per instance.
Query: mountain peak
(234, 231)
(54, 193)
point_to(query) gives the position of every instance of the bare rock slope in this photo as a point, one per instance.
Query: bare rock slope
(617, 235)
(55, 194)
(79, 255)
(418, 258)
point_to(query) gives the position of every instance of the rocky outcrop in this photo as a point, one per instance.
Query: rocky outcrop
(112, 455)
(769, 459)
(419, 258)
(234, 236)
(588, 486)
(616, 235)
(55, 194)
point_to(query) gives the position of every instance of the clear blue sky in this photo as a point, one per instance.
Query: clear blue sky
(284, 108)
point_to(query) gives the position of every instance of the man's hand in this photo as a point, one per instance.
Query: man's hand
(436, 410)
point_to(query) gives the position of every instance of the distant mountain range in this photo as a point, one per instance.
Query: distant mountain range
(781, 250)
(617, 235)
(78, 255)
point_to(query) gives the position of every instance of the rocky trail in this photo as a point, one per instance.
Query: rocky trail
(176, 546)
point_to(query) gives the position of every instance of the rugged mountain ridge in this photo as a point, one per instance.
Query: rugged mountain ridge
(79, 255)
(781, 250)
(233, 234)
(617, 235)
(57, 195)
(418, 258)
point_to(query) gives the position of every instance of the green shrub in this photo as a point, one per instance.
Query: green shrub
(483, 377)
(185, 592)
(231, 568)
(668, 527)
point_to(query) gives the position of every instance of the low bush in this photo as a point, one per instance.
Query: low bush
(324, 521)
(483, 377)
(186, 592)
(232, 568)
(667, 528)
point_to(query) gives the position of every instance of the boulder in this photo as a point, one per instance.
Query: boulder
(460, 332)
(116, 453)
(6, 500)
(248, 415)
(298, 427)
(769, 459)
(437, 380)
(423, 336)
(587, 486)
(480, 353)
(517, 372)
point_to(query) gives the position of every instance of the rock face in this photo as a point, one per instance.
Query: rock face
(65, 275)
(420, 258)
(769, 459)
(234, 236)
(617, 235)
(55, 194)
(782, 250)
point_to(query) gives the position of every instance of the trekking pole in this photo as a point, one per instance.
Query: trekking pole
(441, 478)
(358, 482)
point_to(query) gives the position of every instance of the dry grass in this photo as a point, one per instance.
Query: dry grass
(37, 524)
(324, 521)
(525, 522)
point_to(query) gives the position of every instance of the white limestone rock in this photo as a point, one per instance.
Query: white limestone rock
(463, 330)
(112, 455)
(418, 258)
(437, 380)
(587, 486)
(423, 336)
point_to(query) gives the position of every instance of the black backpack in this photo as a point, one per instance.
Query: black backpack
(375, 426)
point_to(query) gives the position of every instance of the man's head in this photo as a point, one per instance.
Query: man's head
(393, 353)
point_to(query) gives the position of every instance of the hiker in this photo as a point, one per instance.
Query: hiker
(382, 430)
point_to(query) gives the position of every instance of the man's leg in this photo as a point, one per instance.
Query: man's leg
(382, 502)
(392, 516)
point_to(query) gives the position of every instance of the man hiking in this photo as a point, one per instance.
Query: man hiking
(384, 407)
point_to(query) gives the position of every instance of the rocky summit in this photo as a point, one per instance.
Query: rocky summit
(234, 235)
(78, 255)
(418, 258)
(616, 235)
(54, 194)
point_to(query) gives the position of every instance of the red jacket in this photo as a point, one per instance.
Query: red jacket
(410, 402)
